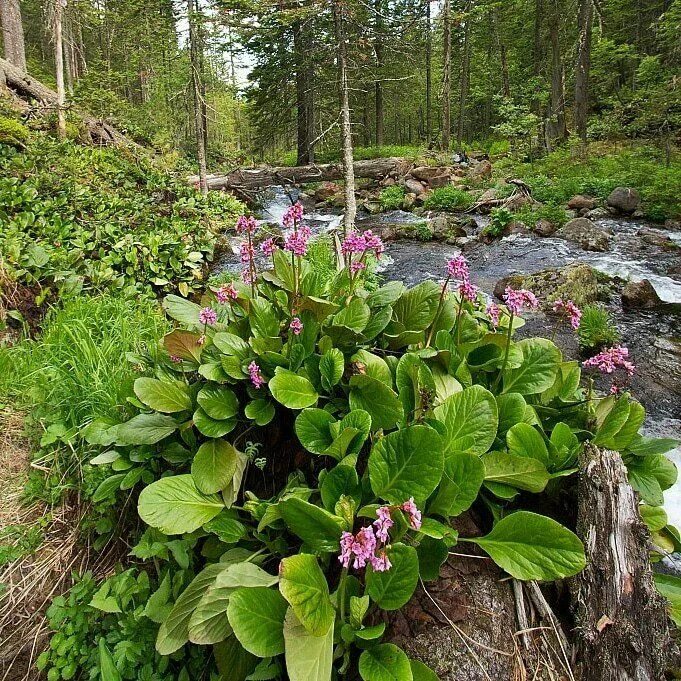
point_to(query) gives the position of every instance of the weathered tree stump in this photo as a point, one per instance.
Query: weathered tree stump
(622, 624)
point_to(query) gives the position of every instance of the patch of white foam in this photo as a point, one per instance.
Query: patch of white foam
(667, 288)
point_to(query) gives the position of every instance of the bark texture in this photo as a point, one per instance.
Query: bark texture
(257, 178)
(622, 623)
(446, 75)
(199, 96)
(13, 33)
(29, 88)
(583, 66)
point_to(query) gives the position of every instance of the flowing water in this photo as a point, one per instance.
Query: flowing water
(653, 336)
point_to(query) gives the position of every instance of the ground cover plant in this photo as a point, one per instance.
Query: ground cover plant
(74, 217)
(310, 443)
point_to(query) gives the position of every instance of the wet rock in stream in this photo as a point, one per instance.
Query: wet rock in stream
(586, 234)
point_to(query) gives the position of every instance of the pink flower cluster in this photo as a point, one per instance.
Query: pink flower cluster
(457, 268)
(246, 224)
(268, 246)
(362, 242)
(296, 326)
(296, 241)
(569, 310)
(494, 313)
(516, 300)
(293, 215)
(208, 316)
(256, 377)
(247, 253)
(369, 544)
(226, 292)
(611, 359)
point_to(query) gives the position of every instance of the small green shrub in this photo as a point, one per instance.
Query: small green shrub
(501, 218)
(12, 132)
(110, 622)
(554, 214)
(391, 198)
(597, 329)
(448, 198)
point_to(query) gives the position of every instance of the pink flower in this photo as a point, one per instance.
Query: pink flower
(374, 243)
(409, 507)
(354, 242)
(226, 292)
(175, 359)
(381, 562)
(384, 523)
(364, 547)
(201, 339)
(493, 312)
(346, 543)
(247, 276)
(457, 268)
(296, 326)
(208, 316)
(268, 246)
(570, 310)
(293, 215)
(610, 359)
(296, 241)
(246, 224)
(247, 253)
(357, 266)
(517, 300)
(468, 291)
(256, 377)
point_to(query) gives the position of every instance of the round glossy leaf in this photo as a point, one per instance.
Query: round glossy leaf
(214, 466)
(393, 588)
(385, 662)
(212, 427)
(163, 396)
(292, 390)
(218, 402)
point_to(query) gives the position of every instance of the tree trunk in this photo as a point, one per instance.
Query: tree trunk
(429, 75)
(302, 49)
(465, 74)
(446, 75)
(346, 125)
(378, 86)
(59, 67)
(258, 178)
(13, 33)
(622, 623)
(556, 128)
(584, 22)
(195, 65)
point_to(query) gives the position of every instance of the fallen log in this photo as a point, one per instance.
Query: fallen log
(27, 87)
(622, 624)
(258, 178)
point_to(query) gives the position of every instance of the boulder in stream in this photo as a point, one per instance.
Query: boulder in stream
(579, 283)
(586, 234)
(640, 295)
(545, 228)
(624, 200)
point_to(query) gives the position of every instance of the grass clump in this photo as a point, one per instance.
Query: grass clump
(12, 132)
(596, 329)
(448, 198)
(391, 198)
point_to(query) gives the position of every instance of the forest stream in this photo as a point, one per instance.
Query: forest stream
(653, 336)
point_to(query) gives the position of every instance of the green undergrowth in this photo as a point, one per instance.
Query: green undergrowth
(81, 367)
(557, 177)
(448, 198)
(75, 216)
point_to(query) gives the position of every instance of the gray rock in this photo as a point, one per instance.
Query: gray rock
(589, 236)
(624, 200)
(413, 186)
(581, 202)
(408, 201)
(673, 225)
(446, 226)
(427, 173)
(598, 213)
(481, 170)
(545, 228)
(655, 238)
(640, 295)
(439, 181)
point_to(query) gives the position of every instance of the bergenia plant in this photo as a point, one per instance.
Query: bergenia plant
(372, 419)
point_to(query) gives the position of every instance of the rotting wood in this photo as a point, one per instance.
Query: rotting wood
(622, 624)
(259, 178)
(28, 87)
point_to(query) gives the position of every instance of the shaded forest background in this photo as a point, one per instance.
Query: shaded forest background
(489, 74)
